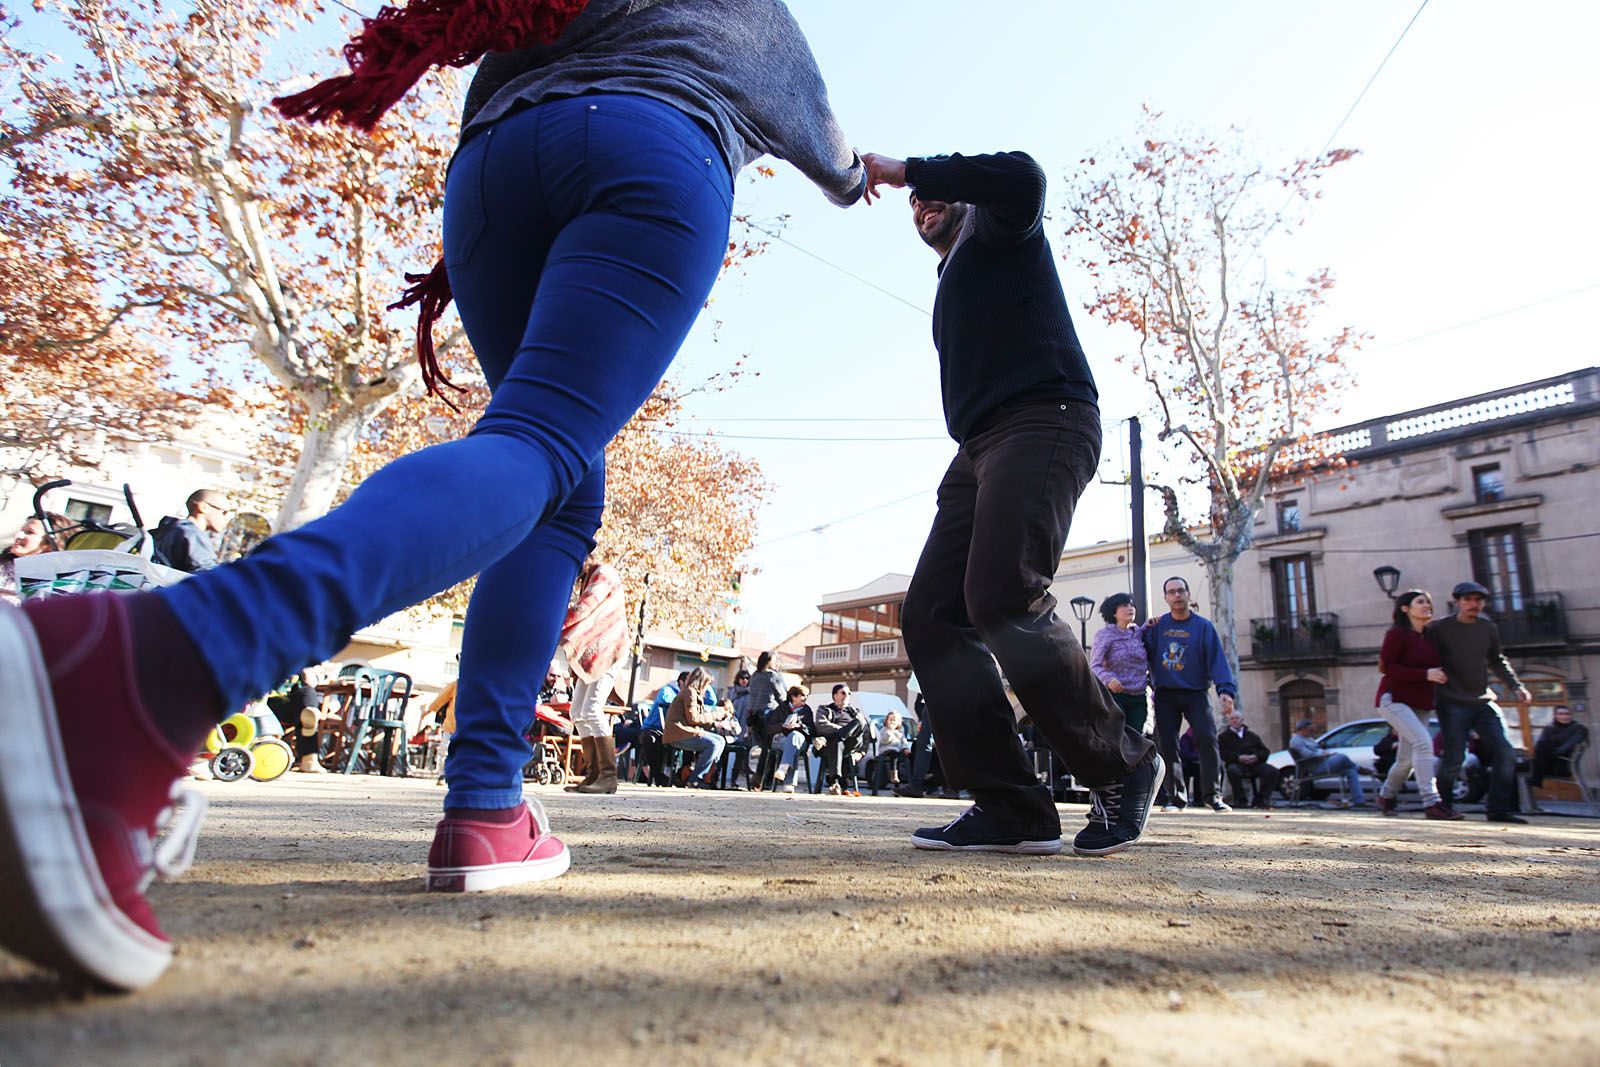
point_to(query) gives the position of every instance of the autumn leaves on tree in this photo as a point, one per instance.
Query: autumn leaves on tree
(170, 238)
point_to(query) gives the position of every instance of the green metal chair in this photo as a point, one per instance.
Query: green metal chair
(379, 705)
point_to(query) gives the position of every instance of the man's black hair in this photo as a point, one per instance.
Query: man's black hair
(1175, 578)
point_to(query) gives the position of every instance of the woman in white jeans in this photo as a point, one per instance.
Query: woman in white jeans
(1410, 668)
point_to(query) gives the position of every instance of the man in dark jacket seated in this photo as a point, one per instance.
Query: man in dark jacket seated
(838, 730)
(1244, 757)
(1552, 753)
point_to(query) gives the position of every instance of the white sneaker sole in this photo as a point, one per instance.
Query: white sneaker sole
(1144, 823)
(497, 876)
(1022, 848)
(58, 912)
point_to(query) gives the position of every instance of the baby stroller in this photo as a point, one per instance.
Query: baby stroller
(121, 557)
(248, 743)
(546, 766)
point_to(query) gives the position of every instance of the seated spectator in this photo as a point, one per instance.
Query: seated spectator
(298, 708)
(190, 543)
(1384, 753)
(1313, 761)
(30, 540)
(838, 733)
(689, 726)
(893, 749)
(1244, 759)
(731, 729)
(652, 748)
(1552, 753)
(1189, 756)
(786, 735)
(926, 773)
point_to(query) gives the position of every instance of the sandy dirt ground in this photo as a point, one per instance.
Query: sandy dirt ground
(756, 929)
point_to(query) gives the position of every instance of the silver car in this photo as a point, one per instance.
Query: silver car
(1356, 740)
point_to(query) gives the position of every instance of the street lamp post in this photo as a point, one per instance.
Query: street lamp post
(1081, 607)
(1388, 579)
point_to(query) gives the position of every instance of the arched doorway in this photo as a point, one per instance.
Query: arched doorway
(1302, 699)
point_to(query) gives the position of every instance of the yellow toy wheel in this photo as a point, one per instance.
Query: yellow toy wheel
(273, 757)
(237, 729)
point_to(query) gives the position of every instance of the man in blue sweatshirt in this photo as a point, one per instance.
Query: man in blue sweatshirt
(1186, 660)
(1020, 402)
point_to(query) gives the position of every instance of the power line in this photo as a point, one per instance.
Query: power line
(1363, 93)
(1393, 551)
(1329, 142)
(712, 435)
(1486, 318)
(846, 518)
(780, 238)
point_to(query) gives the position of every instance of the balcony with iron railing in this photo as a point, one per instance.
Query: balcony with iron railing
(1303, 638)
(1542, 620)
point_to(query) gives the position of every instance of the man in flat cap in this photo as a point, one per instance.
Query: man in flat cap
(1469, 647)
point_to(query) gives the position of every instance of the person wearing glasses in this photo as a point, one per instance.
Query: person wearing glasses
(190, 544)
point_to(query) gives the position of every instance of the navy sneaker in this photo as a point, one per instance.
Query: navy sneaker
(1119, 812)
(975, 830)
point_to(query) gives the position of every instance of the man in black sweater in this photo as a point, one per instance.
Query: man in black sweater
(1021, 403)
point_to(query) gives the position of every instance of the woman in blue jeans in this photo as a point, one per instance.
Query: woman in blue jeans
(586, 217)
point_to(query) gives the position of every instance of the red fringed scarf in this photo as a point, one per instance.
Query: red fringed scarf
(399, 45)
(394, 49)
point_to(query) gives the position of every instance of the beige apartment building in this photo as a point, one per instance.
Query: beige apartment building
(1500, 488)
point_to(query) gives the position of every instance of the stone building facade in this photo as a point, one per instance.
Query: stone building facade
(1498, 487)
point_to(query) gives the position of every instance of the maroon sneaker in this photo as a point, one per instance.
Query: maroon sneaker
(1386, 805)
(1442, 811)
(85, 779)
(469, 855)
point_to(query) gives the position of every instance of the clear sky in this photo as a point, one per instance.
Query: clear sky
(1473, 196)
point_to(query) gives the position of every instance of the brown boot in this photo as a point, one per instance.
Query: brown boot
(309, 765)
(605, 762)
(590, 763)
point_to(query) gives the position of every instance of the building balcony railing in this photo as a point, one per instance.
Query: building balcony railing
(1541, 621)
(874, 653)
(1304, 637)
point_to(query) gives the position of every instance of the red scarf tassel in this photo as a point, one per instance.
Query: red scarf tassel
(431, 293)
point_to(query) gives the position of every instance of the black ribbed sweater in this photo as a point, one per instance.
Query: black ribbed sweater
(1000, 319)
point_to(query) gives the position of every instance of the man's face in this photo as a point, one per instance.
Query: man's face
(1236, 721)
(213, 514)
(841, 697)
(937, 222)
(1563, 715)
(1470, 606)
(1177, 595)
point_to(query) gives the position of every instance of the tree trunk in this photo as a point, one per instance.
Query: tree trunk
(1219, 572)
(332, 431)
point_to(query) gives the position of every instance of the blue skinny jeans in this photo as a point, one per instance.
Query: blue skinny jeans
(707, 749)
(582, 238)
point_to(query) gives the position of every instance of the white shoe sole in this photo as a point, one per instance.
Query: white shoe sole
(58, 912)
(497, 876)
(1021, 848)
(1144, 823)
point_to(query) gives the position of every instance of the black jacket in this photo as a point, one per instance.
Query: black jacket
(1232, 746)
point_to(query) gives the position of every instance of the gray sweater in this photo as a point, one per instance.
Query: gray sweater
(740, 68)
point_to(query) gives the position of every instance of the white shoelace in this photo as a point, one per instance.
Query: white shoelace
(539, 816)
(178, 833)
(1097, 806)
(951, 824)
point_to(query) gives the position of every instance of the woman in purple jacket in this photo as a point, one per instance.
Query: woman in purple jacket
(1118, 659)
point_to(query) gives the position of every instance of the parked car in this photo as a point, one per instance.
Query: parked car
(1356, 740)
